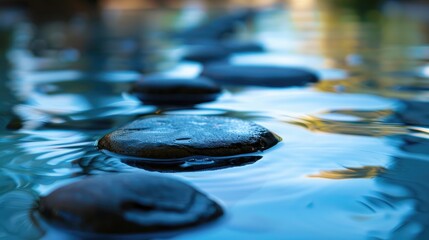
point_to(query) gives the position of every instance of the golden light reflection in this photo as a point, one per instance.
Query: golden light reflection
(363, 114)
(298, 5)
(363, 128)
(350, 173)
(127, 4)
(383, 86)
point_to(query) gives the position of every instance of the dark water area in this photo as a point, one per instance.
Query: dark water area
(354, 159)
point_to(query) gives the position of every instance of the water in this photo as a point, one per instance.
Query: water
(353, 162)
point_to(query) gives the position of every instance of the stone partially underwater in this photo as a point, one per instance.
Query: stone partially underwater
(258, 75)
(162, 90)
(188, 143)
(126, 203)
(190, 164)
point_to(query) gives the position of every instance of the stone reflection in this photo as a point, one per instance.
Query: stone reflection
(17, 204)
(409, 173)
(403, 181)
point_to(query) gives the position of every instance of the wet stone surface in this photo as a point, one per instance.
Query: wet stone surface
(162, 90)
(166, 138)
(126, 203)
(256, 75)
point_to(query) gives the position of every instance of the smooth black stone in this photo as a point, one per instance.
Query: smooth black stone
(206, 53)
(127, 203)
(211, 51)
(219, 28)
(161, 90)
(15, 123)
(165, 138)
(268, 76)
(242, 47)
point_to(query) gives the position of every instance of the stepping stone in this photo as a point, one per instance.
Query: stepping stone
(206, 53)
(160, 90)
(242, 47)
(176, 138)
(257, 75)
(127, 203)
(218, 51)
(218, 28)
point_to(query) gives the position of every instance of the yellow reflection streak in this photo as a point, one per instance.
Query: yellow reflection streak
(364, 128)
(385, 87)
(368, 115)
(352, 172)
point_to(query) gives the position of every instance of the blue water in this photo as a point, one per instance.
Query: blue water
(346, 168)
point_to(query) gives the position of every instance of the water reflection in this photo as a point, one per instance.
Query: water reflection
(363, 172)
(410, 174)
(364, 128)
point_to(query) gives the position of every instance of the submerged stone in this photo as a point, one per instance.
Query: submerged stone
(192, 164)
(257, 75)
(174, 137)
(127, 203)
(161, 90)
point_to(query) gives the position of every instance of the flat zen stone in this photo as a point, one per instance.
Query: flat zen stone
(161, 90)
(211, 51)
(242, 47)
(269, 76)
(206, 53)
(219, 28)
(127, 203)
(181, 136)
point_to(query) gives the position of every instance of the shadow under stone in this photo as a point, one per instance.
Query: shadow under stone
(192, 164)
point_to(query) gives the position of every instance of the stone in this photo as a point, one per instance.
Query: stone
(205, 53)
(162, 90)
(257, 75)
(218, 28)
(212, 51)
(242, 47)
(173, 137)
(127, 203)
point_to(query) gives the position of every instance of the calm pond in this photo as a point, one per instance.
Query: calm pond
(354, 159)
